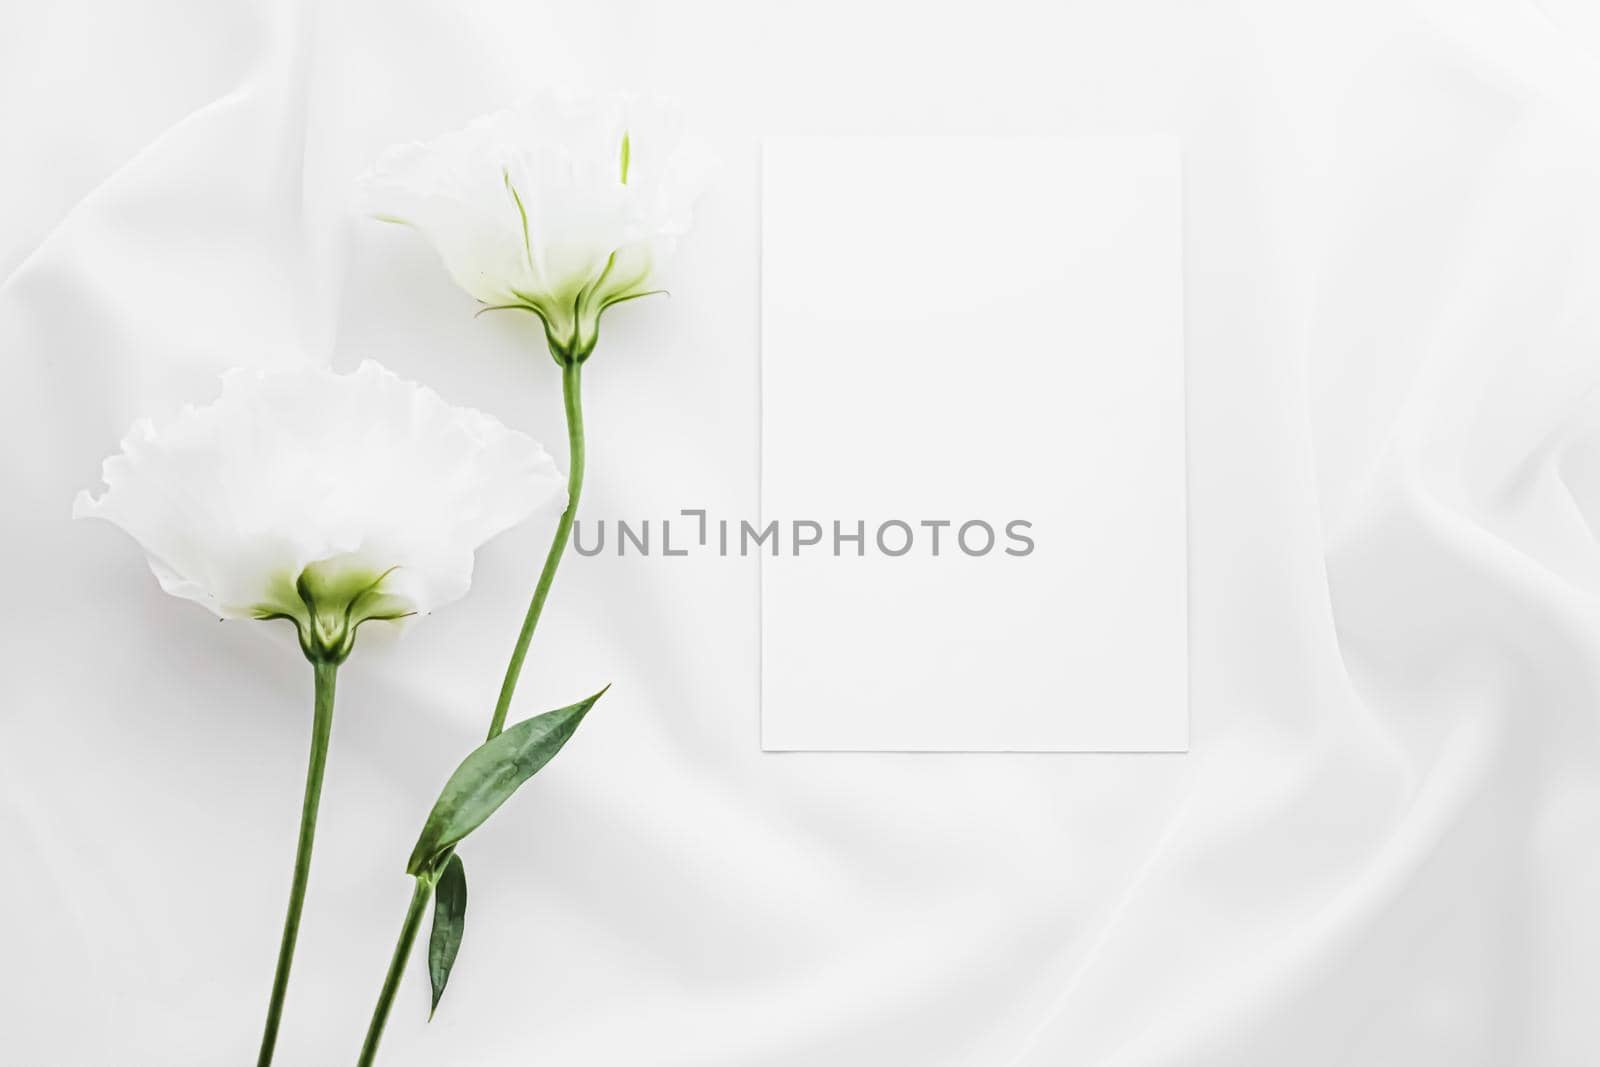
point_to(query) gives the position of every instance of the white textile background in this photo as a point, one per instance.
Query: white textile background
(1381, 849)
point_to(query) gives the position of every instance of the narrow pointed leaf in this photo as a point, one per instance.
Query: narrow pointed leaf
(449, 921)
(489, 776)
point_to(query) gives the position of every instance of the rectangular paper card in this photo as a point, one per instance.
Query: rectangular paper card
(972, 358)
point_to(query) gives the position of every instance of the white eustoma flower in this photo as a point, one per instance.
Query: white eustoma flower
(328, 499)
(561, 206)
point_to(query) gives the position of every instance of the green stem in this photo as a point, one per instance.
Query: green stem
(321, 725)
(570, 381)
(397, 967)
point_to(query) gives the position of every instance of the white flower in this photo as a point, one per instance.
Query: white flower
(323, 498)
(561, 207)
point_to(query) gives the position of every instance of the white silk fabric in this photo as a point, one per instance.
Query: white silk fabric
(1380, 850)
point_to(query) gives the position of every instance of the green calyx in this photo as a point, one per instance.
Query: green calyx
(571, 308)
(572, 321)
(327, 602)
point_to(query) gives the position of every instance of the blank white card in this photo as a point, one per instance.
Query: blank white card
(973, 445)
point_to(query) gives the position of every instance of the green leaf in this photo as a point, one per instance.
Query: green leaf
(449, 920)
(488, 777)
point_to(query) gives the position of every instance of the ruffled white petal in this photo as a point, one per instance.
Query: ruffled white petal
(233, 501)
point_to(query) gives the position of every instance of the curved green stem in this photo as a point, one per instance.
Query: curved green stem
(321, 726)
(570, 383)
(397, 967)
